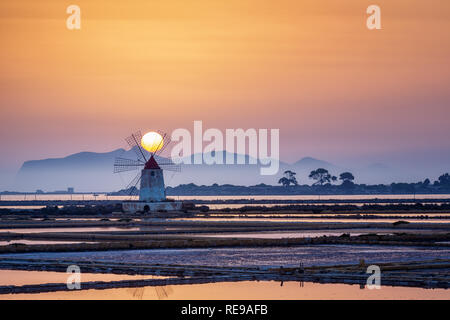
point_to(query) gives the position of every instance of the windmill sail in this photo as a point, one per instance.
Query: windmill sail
(168, 164)
(167, 140)
(150, 175)
(122, 165)
(132, 186)
(134, 141)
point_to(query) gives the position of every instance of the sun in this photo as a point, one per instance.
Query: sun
(152, 141)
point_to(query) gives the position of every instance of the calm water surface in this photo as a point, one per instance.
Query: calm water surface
(251, 257)
(249, 290)
(251, 197)
(80, 229)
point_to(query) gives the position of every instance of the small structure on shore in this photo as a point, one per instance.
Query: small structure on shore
(152, 193)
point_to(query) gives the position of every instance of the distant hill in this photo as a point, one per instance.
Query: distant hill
(91, 171)
(74, 161)
(309, 162)
(86, 171)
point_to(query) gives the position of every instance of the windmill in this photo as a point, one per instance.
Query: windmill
(150, 163)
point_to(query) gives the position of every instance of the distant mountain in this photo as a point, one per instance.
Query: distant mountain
(238, 174)
(77, 160)
(309, 162)
(304, 166)
(86, 171)
(91, 171)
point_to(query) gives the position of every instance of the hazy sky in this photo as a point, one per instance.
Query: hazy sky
(336, 90)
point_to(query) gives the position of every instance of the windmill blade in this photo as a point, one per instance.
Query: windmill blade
(170, 167)
(134, 141)
(132, 185)
(166, 141)
(167, 164)
(122, 165)
(135, 191)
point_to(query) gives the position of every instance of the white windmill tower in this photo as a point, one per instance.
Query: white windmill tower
(152, 194)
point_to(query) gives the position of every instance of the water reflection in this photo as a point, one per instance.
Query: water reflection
(247, 290)
(300, 219)
(21, 241)
(104, 196)
(65, 230)
(136, 293)
(161, 292)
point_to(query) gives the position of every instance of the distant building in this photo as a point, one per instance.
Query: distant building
(70, 190)
(39, 191)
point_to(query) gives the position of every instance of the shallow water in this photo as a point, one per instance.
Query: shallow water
(277, 235)
(20, 277)
(5, 243)
(314, 233)
(249, 290)
(102, 196)
(317, 197)
(56, 229)
(314, 220)
(267, 256)
(343, 214)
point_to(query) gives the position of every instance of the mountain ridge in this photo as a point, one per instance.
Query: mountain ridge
(89, 170)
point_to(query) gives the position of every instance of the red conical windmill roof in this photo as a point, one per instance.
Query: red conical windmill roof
(151, 164)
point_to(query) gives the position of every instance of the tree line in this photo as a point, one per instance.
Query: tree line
(323, 183)
(323, 178)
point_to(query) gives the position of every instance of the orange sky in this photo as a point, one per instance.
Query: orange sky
(309, 67)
